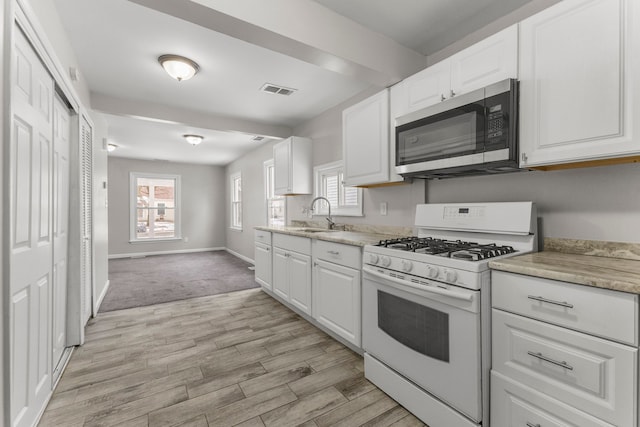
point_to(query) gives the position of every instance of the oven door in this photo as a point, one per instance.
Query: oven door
(430, 335)
(449, 134)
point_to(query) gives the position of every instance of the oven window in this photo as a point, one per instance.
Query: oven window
(418, 327)
(449, 134)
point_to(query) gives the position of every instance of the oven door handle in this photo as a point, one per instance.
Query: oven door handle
(426, 289)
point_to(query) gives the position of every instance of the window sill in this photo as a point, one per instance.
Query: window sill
(170, 239)
(336, 214)
(237, 229)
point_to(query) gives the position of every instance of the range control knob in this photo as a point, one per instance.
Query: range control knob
(385, 261)
(373, 258)
(407, 265)
(432, 272)
(450, 276)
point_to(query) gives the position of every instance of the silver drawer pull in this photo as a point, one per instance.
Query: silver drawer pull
(540, 356)
(532, 425)
(550, 301)
(334, 252)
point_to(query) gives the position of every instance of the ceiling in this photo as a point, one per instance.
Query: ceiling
(329, 50)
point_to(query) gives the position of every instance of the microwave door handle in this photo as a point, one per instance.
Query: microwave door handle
(426, 289)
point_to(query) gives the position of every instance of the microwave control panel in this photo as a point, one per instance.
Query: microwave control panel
(495, 122)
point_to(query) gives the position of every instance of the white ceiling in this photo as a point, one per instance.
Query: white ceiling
(316, 48)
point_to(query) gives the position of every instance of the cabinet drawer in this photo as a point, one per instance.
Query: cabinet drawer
(514, 404)
(292, 243)
(262, 236)
(347, 255)
(593, 375)
(605, 313)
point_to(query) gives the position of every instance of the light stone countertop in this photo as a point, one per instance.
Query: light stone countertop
(354, 238)
(597, 271)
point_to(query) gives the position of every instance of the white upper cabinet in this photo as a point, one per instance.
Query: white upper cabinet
(488, 61)
(577, 97)
(365, 142)
(293, 167)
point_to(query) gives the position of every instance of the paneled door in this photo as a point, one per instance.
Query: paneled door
(31, 237)
(61, 133)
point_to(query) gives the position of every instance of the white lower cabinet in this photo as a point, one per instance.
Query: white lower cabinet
(546, 371)
(262, 258)
(292, 270)
(336, 299)
(337, 271)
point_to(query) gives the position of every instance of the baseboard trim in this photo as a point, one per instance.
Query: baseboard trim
(102, 294)
(242, 257)
(180, 251)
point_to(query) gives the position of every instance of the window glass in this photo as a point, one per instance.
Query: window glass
(156, 212)
(236, 201)
(276, 205)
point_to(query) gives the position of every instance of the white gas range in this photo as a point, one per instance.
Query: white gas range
(426, 307)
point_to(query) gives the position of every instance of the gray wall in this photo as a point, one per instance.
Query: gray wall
(600, 203)
(254, 208)
(326, 134)
(202, 204)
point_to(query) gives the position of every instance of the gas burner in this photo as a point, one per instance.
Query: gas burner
(469, 251)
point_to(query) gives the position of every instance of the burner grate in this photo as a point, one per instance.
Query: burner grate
(471, 251)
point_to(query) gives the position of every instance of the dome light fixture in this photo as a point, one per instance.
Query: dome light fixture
(111, 147)
(193, 139)
(178, 67)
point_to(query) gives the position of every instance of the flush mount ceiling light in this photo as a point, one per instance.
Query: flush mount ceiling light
(111, 147)
(178, 67)
(193, 139)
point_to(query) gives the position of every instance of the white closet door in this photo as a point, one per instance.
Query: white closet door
(61, 133)
(86, 254)
(30, 237)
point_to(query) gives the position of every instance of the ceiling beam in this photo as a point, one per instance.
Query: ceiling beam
(158, 112)
(305, 30)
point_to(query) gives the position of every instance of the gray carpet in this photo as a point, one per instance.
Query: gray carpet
(162, 278)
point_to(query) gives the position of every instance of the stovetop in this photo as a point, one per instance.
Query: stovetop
(468, 251)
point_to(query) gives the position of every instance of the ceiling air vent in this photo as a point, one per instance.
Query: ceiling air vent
(257, 138)
(280, 90)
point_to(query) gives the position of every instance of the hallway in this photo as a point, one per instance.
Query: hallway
(232, 359)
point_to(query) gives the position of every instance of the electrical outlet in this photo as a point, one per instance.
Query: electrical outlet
(383, 208)
(186, 239)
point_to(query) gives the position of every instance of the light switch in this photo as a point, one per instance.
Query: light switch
(383, 208)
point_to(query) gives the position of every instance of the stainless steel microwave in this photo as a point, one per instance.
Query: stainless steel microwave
(471, 134)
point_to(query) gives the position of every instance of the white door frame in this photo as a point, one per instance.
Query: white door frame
(18, 13)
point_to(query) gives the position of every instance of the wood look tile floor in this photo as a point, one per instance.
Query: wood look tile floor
(238, 359)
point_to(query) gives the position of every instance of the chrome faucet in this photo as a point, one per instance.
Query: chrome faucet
(329, 219)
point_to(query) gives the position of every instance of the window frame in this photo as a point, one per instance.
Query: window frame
(270, 194)
(334, 168)
(133, 206)
(233, 203)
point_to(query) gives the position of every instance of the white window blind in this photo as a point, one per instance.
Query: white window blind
(345, 201)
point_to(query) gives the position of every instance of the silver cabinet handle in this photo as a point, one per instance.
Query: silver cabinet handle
(260, 237)
(540, 356)
(452, 93)
(532, 425)
(550, 301)
(334, 252)
(442, 98)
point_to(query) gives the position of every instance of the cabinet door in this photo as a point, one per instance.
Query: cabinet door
(300, 281)
(585, 372)
(282, 166)
(515, 404)
(262, 259)
(365, 141)
(280, 273)
(336, 299)
(489, 61)
(576, 96)
(428, 87)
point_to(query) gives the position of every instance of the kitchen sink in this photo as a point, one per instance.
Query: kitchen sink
(313, 230)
